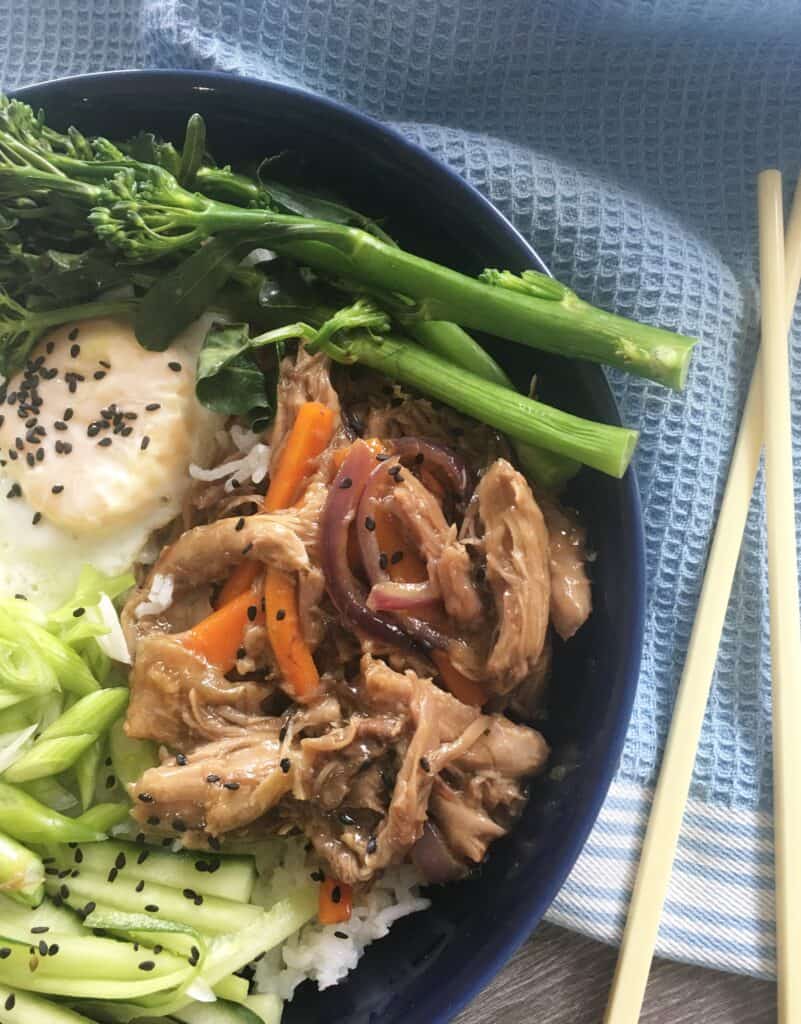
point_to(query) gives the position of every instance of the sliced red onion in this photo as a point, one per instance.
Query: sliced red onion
(387, 596)
(433, 858)
(343, 588)
(452, 468)
(378, 482)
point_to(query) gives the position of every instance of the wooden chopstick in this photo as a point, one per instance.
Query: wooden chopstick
(670, 796)
(785, 618)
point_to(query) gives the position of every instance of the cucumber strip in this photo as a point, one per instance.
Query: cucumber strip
(26, 1008)
(229, 953)
(217, 1013)
(232, 878)
(21, 872)
(17, 920)
(130, 758)
(210, 915)
(268, 1008)
(233, 988)
(90, 966)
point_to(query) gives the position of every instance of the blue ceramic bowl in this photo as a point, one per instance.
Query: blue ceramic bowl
(433, 963)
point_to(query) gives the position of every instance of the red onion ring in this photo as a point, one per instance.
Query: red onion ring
(414, 451)
(387, 596)
(343, 588)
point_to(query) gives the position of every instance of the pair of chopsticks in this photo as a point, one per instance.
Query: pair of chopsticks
(766, 416)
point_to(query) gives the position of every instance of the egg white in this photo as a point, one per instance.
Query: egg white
(113, 496)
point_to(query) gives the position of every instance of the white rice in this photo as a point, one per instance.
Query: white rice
(318, 951)
(252, 466)
(160, 597)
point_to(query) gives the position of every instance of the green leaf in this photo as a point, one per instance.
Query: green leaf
(229, 380)
(180, 297)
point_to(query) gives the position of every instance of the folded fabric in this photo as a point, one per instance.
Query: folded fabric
(622, 137)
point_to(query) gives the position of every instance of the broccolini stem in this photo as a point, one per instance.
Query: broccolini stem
(604, 447)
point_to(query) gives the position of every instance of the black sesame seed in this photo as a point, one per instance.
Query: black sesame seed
(152, 908)
(144, 442)
(153, 406)
(253, 611)
(189, 894)
(153, 820)
(73, 334)
(341, 935)
(37, 518)
(175, 366)
(112, 875)
(78, 855)
(67, 447)
(240, 653)
(99, 374)
(104, 442)
(198, 900)
(194, 956)
(317, 876)
(49, 347)
(369, 523)
(93, 429)
(119, 863)
(285, 765)
(72, 386)
(11, 1001)
(57, 488)
(336, 894)
(247, 548)
(419, 459)
(143, 855)
(146, 798)
(231, 785)
(147, 965)
(104, 363)
(40, 929)
(75, 351)
(280, 615)
(5, 953)
(181, 759)
(160, 949)
(239, 524)
(346, 819)
(425, 764)
(140, 885)
(53, 949)
(126, 431)
(64, 892)
(31, 422)
(214, 842)
(111, 781)
(383, 561)
(345, 484)
(397, 556)
(15, 491)
(78, 612)
(179, 825)
(394, 470)
(42, 947)
(19, 444)
(68, 414)
(372, 844)
(211, 779)
(40, 454)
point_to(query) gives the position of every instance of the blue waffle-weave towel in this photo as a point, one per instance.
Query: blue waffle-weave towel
(622, 137)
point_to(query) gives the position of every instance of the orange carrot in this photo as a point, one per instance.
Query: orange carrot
(291, 651)
(308, 438)
(219, 636)
(335, 902)
(375, 444)
(466, 690)
(240, 580)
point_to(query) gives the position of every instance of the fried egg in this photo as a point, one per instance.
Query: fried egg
(96, 439)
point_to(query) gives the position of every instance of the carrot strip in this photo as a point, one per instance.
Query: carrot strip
(219, 636)
(240, 580)
(466, 690)
(291, 651)
(375, 444)
(335, 902)
(308, 438)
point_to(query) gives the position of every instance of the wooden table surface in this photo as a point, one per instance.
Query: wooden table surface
(561, 978)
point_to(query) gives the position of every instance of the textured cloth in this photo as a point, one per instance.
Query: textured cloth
(622, 137)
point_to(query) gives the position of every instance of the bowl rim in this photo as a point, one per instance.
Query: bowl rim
(532, 908)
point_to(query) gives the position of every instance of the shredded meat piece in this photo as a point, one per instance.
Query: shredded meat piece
(177, 698)
(464, 823)
(571, 597)
(302, 379)
(354, 772)
(447, 559)
(514, 542)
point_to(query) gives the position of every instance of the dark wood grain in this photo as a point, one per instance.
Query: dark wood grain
(562, 978)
